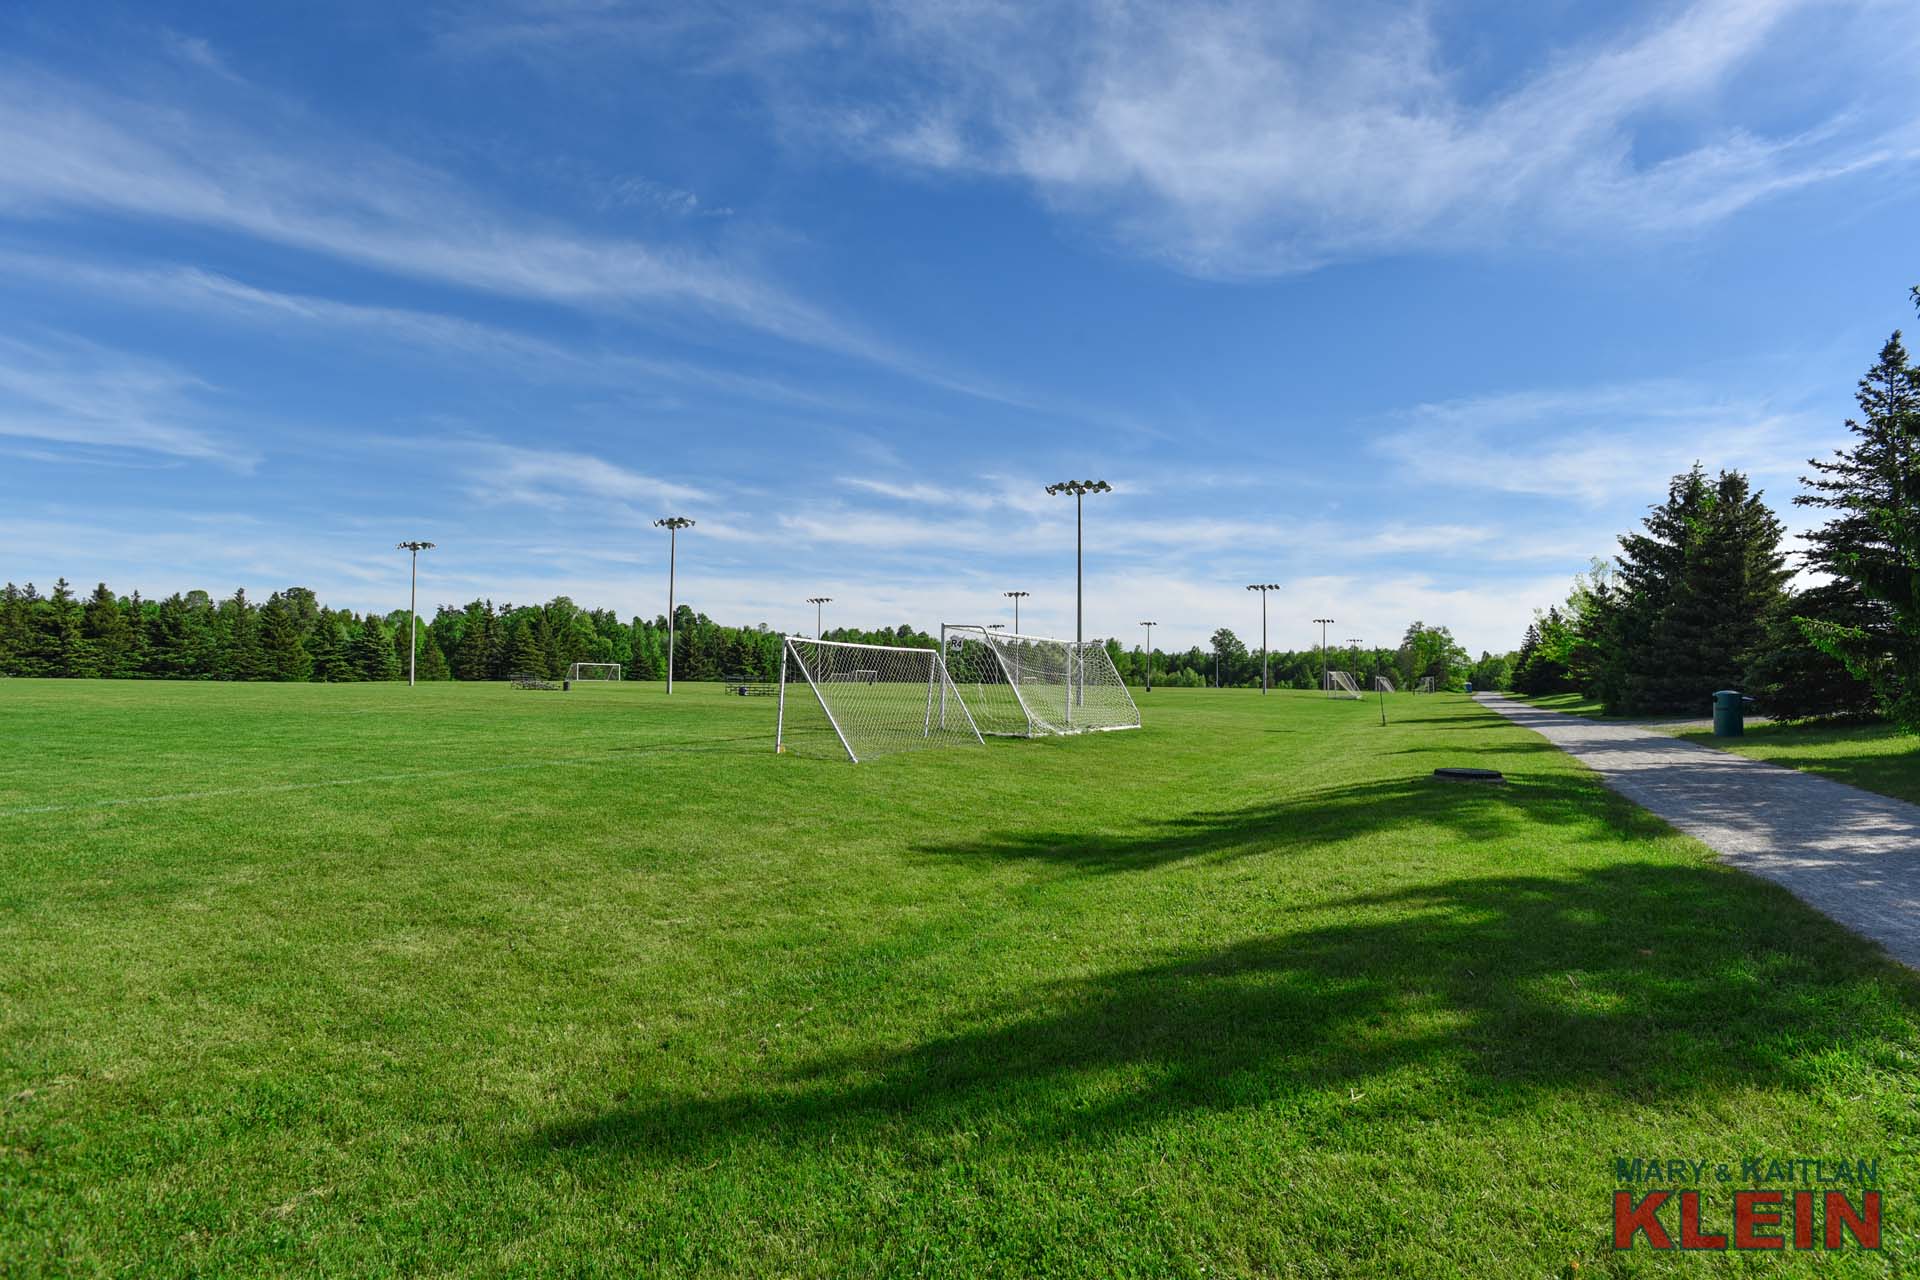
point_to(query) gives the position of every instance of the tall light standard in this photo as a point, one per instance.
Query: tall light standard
(1353, 643)
(817, 602)
(413, 604)
(1149, 626)
(1323, 651)
(1079, 489)
(1263, 588)
(1016, 597)
(673, 525)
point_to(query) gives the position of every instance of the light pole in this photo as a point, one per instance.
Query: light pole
(1263, 588)
(1016, 597)
(1353, 642)
(817, 602)
(1149, 626)
(673, 525)
(1323, 651)
(413, 604)
(1079, 489)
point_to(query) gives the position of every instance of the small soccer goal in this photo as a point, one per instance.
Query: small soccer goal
(857, 701)
(593, 671)
(1340, 684)
(1425, 685)
(1020, 686)
(1383, 684)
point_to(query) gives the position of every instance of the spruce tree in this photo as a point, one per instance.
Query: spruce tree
(104, 627)
(282, 655)
(370, 652)
(1871, 541)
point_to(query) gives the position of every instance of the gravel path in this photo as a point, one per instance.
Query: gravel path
(1850, 853)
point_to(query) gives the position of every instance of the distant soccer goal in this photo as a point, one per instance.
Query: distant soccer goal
(864, 700)
(1382, 684)
(1425, 685)
(594, 671)
(1340, 684)
(1034, 686)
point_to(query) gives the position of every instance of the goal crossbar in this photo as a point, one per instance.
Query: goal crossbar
(594, 671)
(1018, 685)
(872, 698)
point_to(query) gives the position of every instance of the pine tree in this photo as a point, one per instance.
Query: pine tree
(17, 657)
(327, 650)
(474, 659)
(62, 649)
(370, 652)
(433, 663)
(240, 657)
(1871, 541)
(528, 656)
(282, 654)
(104, 627)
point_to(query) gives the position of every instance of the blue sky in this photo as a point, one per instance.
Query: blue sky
(1410, 309)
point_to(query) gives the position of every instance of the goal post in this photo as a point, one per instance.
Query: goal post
(594, 671)
(864, 700)
(1034, 686)
(1425, 685)
(1341, 684)
(1384, 684)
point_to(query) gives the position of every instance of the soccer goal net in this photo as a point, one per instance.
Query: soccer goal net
(1032, 686)
(1340, 684)
(1383, 684)
(864, 700)
(1425, 685)
(594, 671)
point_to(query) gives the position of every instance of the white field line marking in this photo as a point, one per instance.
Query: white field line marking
(278, 787)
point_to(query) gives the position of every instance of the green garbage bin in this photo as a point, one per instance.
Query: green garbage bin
(1729, 713)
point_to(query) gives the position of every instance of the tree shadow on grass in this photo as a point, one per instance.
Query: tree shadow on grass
(1571, 805)
(1477, 997)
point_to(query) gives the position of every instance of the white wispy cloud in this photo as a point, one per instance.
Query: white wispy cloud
(1598, 444)
(67, 146)
(69, 391)
(1243, 138)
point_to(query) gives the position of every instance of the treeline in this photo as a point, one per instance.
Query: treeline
(1699, 599)
(1229, 663)
(291, 636)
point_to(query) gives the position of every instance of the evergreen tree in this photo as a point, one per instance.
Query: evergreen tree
(107, 634)
(18, 649)
(527, 655)
(327, 651)
(283, 656)
(370, 652)
(433, 663)
(241, 658)
(474, 659)
(1871, 541)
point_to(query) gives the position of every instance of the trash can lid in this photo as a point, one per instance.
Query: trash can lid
(1728, 693)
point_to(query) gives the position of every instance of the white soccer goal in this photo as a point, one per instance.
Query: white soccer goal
(1340, 684)
(1425, 685)
(1383, 684)
(863, 700)
(1033, 686)
(594, 671)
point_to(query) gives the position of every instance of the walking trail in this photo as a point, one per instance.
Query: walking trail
(1850, 853)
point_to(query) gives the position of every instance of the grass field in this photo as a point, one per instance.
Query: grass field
(359, 980)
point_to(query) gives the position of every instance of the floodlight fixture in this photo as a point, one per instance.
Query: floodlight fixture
(1079, 489)
(817, 602)
(413, 602)
(673, 525)
(1324, 624)
(1265, 669)
(1016, 597)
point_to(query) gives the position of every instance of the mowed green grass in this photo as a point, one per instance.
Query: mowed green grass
(363, 980)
